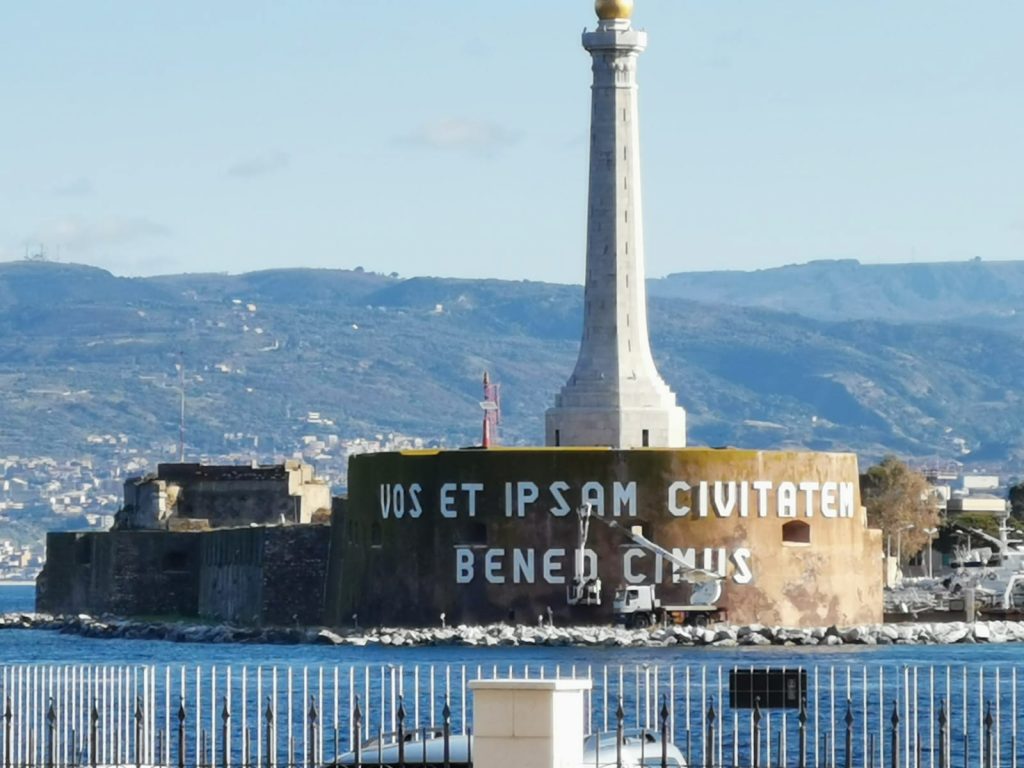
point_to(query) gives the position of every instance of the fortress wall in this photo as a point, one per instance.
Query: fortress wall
(231, 575)
(233, 502)
(294, 568)
(489, 535)
(63, 585)
(253, 576)
(120, 572)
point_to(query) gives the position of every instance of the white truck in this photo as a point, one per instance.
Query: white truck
(638, 605)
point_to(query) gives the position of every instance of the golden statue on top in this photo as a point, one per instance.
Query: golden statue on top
(613, 9)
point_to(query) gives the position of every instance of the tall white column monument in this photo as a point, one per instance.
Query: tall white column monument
(615, 396)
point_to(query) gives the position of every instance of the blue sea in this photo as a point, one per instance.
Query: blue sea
(46, 647)
(17, 597)
(870, 680)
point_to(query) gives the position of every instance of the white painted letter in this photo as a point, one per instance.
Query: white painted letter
(492, 566)
(523, 566)
(809, 489)
(553, 567)
(627, 566)
(526, 493)
(828, 499)
(472, 489)
(399, 501)
(846, 500)
(625, 497)
(725, 506)
(675, 508)
(414, 494)
(463, 565)
(787, 500)
(593, 494)
(741, 559)
(744, 499)
(762, 487)
(448, 501)
(563, 507)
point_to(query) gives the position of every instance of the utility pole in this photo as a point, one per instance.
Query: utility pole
(181, 419)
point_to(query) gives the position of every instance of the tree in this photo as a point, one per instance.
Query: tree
(1016, 496)
(900, 502)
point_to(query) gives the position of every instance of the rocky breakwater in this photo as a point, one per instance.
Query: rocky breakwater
(721, 636)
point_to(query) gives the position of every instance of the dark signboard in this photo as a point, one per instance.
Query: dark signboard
(770, 688)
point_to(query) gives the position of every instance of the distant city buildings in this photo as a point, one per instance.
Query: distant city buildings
(84, 492)
(19, 563)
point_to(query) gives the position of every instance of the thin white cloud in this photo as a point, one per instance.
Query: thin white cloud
(259, 165)
(462, 135)
(79, 235)
(80, 187)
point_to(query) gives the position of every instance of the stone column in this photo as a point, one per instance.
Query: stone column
(615, 396)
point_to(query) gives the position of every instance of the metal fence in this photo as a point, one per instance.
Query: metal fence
(285, 717)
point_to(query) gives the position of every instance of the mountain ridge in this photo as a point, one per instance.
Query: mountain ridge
(83, 351)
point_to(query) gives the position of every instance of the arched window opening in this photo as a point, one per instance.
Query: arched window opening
(796, 532)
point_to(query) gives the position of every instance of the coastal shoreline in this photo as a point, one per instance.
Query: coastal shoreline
(716, 636)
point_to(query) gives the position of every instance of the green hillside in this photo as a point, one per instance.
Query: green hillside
(83, 352)
(980, 293)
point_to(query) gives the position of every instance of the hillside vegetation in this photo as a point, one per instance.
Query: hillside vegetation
(85, 352)
(980, 293)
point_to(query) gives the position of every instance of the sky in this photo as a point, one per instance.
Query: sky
(451, 139)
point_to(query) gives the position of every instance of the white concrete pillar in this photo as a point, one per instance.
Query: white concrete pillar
(534, 723)
(615, 396)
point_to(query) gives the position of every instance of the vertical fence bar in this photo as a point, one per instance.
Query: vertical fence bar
(312, 721)
(895, 737)
(259, 715)
(289, 741)
(989, 736)
(268, 735)
(709, 744)
(357, 721)
(943, 755)
(307, 745)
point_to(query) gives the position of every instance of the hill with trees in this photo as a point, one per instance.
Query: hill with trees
(83, 351)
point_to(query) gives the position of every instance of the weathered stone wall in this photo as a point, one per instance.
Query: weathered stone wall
(485, 535)
(233, 502)
(127, 573)
(222, 496)
(231, 576)
(253, 576)
(294, 574)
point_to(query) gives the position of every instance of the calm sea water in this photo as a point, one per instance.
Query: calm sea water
(45, 647)
(15, 598)
(872, 677)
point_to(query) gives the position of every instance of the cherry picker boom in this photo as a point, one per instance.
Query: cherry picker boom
(638, 605)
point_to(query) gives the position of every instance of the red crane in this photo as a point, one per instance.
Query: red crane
(491, 405)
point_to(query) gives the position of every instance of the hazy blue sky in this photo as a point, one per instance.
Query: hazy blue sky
(450, 138)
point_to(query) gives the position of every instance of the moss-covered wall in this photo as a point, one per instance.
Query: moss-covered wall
(460, 532)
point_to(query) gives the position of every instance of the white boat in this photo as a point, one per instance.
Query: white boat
(425, 747)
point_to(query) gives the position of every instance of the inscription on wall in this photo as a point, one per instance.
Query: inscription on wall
(522, 499)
